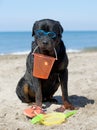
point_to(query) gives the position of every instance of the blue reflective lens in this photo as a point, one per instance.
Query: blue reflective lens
(40, 33)
(51, 34)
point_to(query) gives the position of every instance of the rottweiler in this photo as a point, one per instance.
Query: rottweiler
(47, 35)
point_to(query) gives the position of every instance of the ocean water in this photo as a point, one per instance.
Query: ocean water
(20, 42)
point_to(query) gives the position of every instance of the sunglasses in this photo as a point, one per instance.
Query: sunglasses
(41, 33)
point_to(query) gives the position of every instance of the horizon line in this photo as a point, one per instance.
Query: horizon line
(63, 31)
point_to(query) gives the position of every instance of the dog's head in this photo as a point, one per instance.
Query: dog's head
(47, 34)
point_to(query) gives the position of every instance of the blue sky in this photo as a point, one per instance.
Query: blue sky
(19, 15)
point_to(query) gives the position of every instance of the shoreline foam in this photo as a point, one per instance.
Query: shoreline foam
(89, 49)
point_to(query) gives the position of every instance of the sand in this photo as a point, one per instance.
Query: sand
(82, 87)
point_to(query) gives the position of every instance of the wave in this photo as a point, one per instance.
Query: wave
(72, 50)
(16, 53)
(27, 52)
(20, 53)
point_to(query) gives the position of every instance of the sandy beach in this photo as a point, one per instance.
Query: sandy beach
(82, 87)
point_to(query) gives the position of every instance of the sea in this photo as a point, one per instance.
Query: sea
(20, 42)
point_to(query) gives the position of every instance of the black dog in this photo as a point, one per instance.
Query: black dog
(47, 34)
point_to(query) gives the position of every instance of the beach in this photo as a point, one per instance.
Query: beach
(82, 87)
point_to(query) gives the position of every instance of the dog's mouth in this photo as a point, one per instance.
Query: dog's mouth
(46, 47)
(44, 51)
(52, 52)
(48, 50)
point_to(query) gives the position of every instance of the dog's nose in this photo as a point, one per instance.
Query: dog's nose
(45, 42)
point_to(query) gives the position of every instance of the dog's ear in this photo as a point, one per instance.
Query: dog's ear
(35, 26)
(59, 28)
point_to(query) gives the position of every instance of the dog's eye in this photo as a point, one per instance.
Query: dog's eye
(39, 33)
(51, 34)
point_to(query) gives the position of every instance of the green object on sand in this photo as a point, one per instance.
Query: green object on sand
(52, 118)
(68, 114)
(37, 118)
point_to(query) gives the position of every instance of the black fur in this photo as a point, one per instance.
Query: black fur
(30, 88)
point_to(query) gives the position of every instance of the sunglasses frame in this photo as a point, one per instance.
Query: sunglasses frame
(40, 33)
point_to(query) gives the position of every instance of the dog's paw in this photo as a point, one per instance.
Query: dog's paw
(67, 106)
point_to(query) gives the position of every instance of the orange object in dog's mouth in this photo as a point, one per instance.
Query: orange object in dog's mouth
(42, 65)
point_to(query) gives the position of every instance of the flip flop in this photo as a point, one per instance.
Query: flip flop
(33, 111)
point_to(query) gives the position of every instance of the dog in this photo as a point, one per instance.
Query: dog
(47, 35)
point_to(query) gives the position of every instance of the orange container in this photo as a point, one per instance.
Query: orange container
(42, 65)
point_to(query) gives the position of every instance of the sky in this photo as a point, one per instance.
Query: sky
(19, 15)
